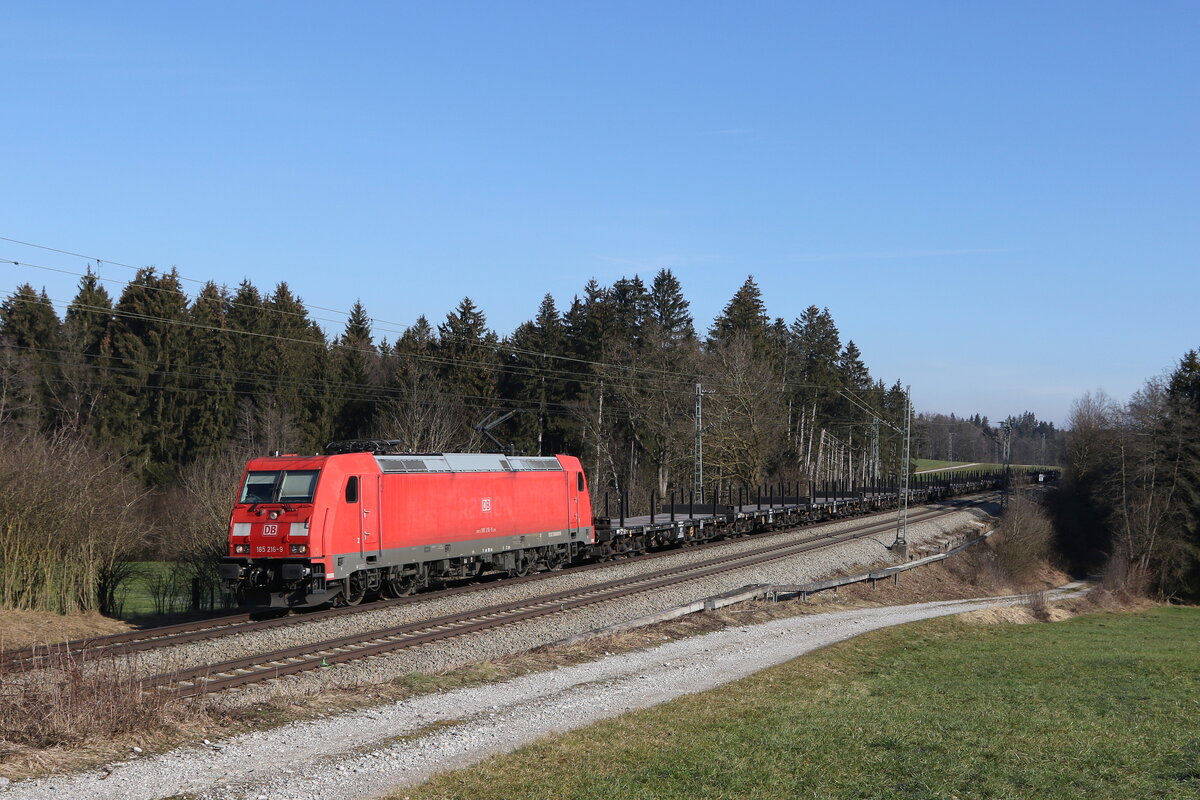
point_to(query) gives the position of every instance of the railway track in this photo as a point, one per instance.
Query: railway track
(40, 656)
(275, 664)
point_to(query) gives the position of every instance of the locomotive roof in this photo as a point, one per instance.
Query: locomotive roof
(467, 462)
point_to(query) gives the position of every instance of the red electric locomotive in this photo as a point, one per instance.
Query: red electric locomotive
(309, 530)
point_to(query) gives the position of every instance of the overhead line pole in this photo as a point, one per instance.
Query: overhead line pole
(1007, 427)
(698, 468)
(875, 454)
(901, 542)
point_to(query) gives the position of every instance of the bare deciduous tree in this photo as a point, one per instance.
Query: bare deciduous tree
(749, 418)
(73, 522)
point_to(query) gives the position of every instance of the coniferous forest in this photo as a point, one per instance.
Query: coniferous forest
(141, 408)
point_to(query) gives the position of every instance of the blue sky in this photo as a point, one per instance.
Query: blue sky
(998, 202)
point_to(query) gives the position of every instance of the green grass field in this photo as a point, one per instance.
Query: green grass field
(138, 599)
(148, 578)
(922, 464)
(1102, 706)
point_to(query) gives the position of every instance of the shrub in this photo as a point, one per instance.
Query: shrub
(74, 700)
(71, 524)
(1022, 542)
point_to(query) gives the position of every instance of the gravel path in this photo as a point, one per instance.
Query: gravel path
(361, 755)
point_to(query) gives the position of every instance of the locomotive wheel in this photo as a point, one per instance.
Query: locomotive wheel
(556, 560)
(354, 588)
(399, 586)
(523, 567)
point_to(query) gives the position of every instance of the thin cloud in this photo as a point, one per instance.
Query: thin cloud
(873, 255)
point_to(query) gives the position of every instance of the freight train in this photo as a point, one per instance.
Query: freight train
(363, 522)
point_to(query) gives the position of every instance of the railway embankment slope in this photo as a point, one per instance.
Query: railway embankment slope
(372, 752)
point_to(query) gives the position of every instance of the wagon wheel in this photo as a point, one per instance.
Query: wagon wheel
(354, 588)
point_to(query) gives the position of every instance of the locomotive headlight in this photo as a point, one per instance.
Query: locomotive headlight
(241, 548)
(298, 549)
(274, 515)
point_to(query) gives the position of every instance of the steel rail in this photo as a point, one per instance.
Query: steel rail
(252, 669)
(38, 656)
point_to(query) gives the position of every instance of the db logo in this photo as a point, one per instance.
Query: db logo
(485, 504)
(270, 530)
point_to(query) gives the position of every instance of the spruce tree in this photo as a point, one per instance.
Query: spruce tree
(669, 311)
(590, 323)
(744, 315)
(532, 378)
(468, 350)
(299, 366)
(210, 354)
(84, 370)
(357, 385)
(894, 404)
(143, 413)
(574, 321)
(549, 330)
(818, 348)
(420, 338)
(630, 309)
(28, 319)
(31, 329)
(88, 317)
(851, 369)
(1183, 435)
(252, 327)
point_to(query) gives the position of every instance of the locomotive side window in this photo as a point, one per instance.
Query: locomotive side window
(298, 487)
(352, 489)
(579, 481)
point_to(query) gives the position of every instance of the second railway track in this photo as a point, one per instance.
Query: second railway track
(214, 627)
(288, 661)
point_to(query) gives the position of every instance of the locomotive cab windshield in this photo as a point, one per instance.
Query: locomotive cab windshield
(280, 486)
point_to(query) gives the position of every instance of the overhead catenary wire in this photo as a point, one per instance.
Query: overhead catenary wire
(508, 357)
(499, 345)
(527, 369)
(402, 328)
(518, 369)
(375, 394)
(182, 375)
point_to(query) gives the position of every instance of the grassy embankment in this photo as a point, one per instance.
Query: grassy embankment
(1105, 705)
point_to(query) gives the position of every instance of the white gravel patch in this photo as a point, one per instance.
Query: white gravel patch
(357, 756)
